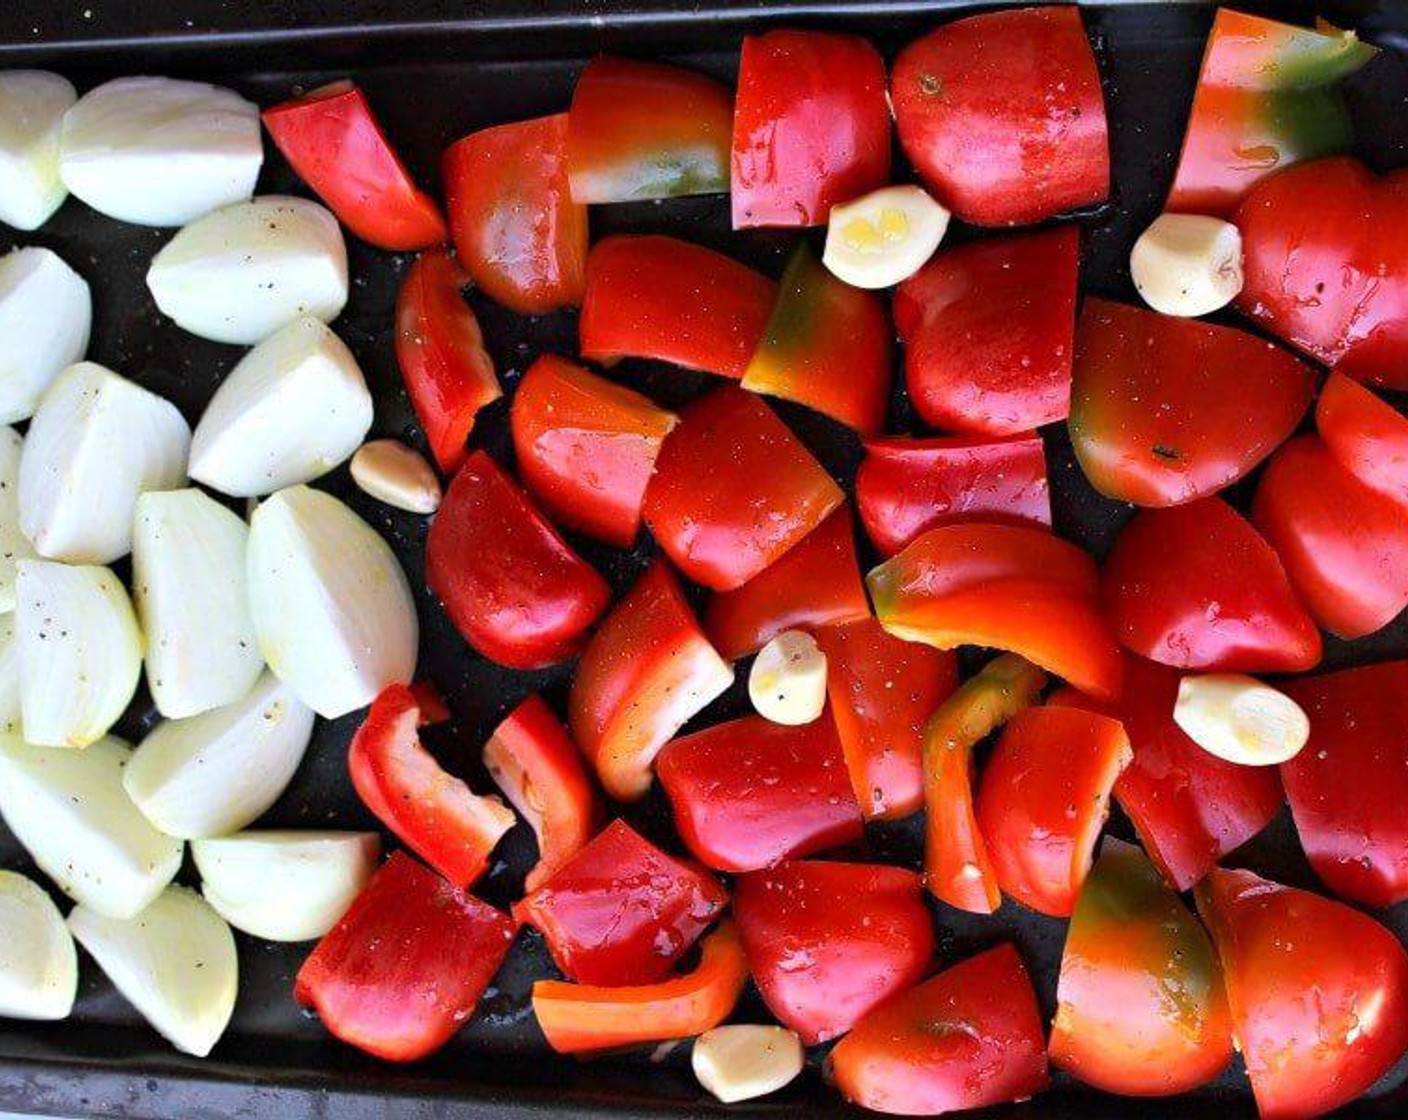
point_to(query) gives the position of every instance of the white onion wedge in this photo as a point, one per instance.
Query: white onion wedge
(9, 677)
(69, 810)
(292, 409)
(32, 108)
(188, 576)
(160, 152)
(241, 273)
(38, 963)
(14, 545)
(80, 652)
(175, 963)
(214, 773)
(46, 311)
(331, 606)
(285, 886)
(96, 443)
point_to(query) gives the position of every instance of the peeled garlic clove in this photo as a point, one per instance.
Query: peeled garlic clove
(46, 311)
(69, 810)
(188, 578)
(38, 963)
(1240, 720)
(883, 237)
(241, 273)
(96, 443)
(293, 409)
(14, 545)
(285, 886)
(393, 473)
(787, 683)
(175, 963)
(160, 152)
(1188, 265)
(331, 606)
(9, 677)
(214, 773)
(80, 652)
(742, 1061)
(32, 107)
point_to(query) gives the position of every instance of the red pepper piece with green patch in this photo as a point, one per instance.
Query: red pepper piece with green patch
(1367, 435)
(1166, 410)
(811, 127)
(586, 447)
(1318, 992)
(621, 911)
(989, 331)
(827, 346)
(409, 931)
(907, 486)
(647, 671)
(1002, 115)
(969, 1037)
(1267, 97)
(640, 130)
(517, 231)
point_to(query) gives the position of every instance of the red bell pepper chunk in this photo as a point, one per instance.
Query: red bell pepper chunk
(1196, 587)
(1267, 97)
(968, 1037)
(511, 585)
(989, 331)
(881, 691)
(532, 759)
(408, 934)
(734, 489)
(1346, 785)
(1325, 257)
(517, 231)
(1189, 807)
(1368, 436)
(1165, 410)
(957, 868)
(905, 486)
(827, 346)
(434, 813)
(331, 138)
(1141, 1007)
(581, 1019)
(811, 127)
(658, 297)
(621, 911)
(1044, 798)
(640, 130)
(430, 705)
(1002, 115)
(1318, 992)
(1012, 587)
(749, 793)
(586, 447)
(815, 584)
(647, 671)
(440, 351)
(829, 942)
(1343, 545)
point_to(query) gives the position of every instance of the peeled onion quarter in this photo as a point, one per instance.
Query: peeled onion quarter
(9, 676)
(188, 574)
(38, 963)
(294, 408)
(80, 652)
(69, 810)
(96, 443)
(46, 311)
(285, 885)
(175, 963)
(160, 152)
(14, 545)
(241, 273)
(331, 606)
(214, 773)
(32, 108)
